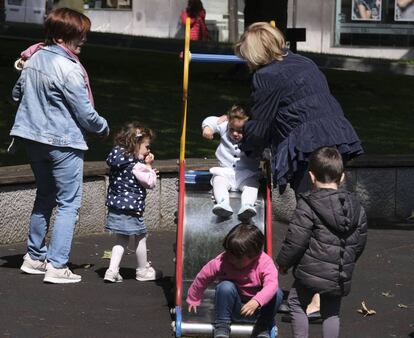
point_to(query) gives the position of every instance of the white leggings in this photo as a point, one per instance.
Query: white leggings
(249, 189)
(120, 247)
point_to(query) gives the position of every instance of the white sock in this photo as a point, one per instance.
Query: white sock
(141, 251)
(118, 252)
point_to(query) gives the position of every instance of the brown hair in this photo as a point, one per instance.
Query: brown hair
(244, 240)
(260, 45)
(326, 164)
(66, 24)
(132, 135)
(238, 111)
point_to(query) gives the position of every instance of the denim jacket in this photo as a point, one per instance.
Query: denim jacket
(54, 105)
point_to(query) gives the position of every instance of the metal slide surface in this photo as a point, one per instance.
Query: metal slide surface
(202, 241)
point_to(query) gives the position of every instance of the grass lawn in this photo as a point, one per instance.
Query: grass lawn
(146, 86)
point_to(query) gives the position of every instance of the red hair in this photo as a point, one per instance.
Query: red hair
(66, 24)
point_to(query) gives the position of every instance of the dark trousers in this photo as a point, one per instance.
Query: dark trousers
(298, 300)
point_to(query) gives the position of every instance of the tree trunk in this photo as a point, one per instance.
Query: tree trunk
(233, 21)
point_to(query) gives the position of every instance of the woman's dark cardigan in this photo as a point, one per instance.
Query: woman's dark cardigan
(294, 113)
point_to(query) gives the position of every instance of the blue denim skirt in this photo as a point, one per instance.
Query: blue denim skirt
(125, 224)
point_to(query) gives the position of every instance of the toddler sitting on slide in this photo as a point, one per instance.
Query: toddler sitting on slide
(236, 170)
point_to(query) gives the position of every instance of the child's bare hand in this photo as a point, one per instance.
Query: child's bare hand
(208, 133)
(19, 64)
(149, 159)
(192, 308)
(222, 119)
(249, 308)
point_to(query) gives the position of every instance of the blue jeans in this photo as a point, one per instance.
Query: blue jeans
(228, 305)
(59, 176)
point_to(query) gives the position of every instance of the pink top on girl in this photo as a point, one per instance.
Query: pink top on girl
(146, 176)
(258, 281)
(198, 30)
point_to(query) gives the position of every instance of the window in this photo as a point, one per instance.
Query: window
(375, 23)
(109, 4)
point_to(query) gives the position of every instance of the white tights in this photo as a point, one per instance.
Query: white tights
(120, 247)
(249, 189)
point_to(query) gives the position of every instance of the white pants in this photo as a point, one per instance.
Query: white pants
(249, 188)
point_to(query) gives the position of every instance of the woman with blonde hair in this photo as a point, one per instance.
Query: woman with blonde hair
(292, 109)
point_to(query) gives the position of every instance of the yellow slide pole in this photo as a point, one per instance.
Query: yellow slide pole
(185, 88)
(181, 191)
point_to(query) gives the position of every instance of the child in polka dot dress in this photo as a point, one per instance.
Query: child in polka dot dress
(131, 173)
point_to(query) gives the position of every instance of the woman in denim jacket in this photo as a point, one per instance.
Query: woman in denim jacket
(55, 112)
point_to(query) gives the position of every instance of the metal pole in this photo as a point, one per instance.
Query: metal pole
(233, 21)
(294, 11)
(181, 191)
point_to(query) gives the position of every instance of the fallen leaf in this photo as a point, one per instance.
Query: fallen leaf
(402, 306)
(387, 294)
(107, 254)
(365, 311)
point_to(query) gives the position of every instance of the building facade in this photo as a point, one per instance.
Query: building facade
(360, 28)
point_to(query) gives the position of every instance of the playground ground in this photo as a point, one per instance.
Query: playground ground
(383, 278)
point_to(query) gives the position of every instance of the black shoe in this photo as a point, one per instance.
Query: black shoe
(222, 332)
(260, 331)
(314, 315)
(261, 334)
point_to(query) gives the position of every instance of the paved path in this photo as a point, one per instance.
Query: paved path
(29, 308)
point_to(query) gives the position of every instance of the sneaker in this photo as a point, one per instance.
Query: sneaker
(263, 334)
(223, 331)
(222, 209)
(314, 315)
(260, 332)
(60, 276)
(33, 267)
(148, 273)
(246, 212)
(112, 276)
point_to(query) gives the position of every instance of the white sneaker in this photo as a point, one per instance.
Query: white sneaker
(246, 212)
(33, 267)
(60, 276)
(222, 209)
(148, 273)
(113, 277)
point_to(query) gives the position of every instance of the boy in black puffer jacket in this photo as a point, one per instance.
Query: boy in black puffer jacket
(325, 238)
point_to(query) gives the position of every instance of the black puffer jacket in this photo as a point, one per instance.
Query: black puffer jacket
(325, 238)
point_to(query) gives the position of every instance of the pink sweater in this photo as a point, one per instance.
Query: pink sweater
(259, 280)
(146, 176)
